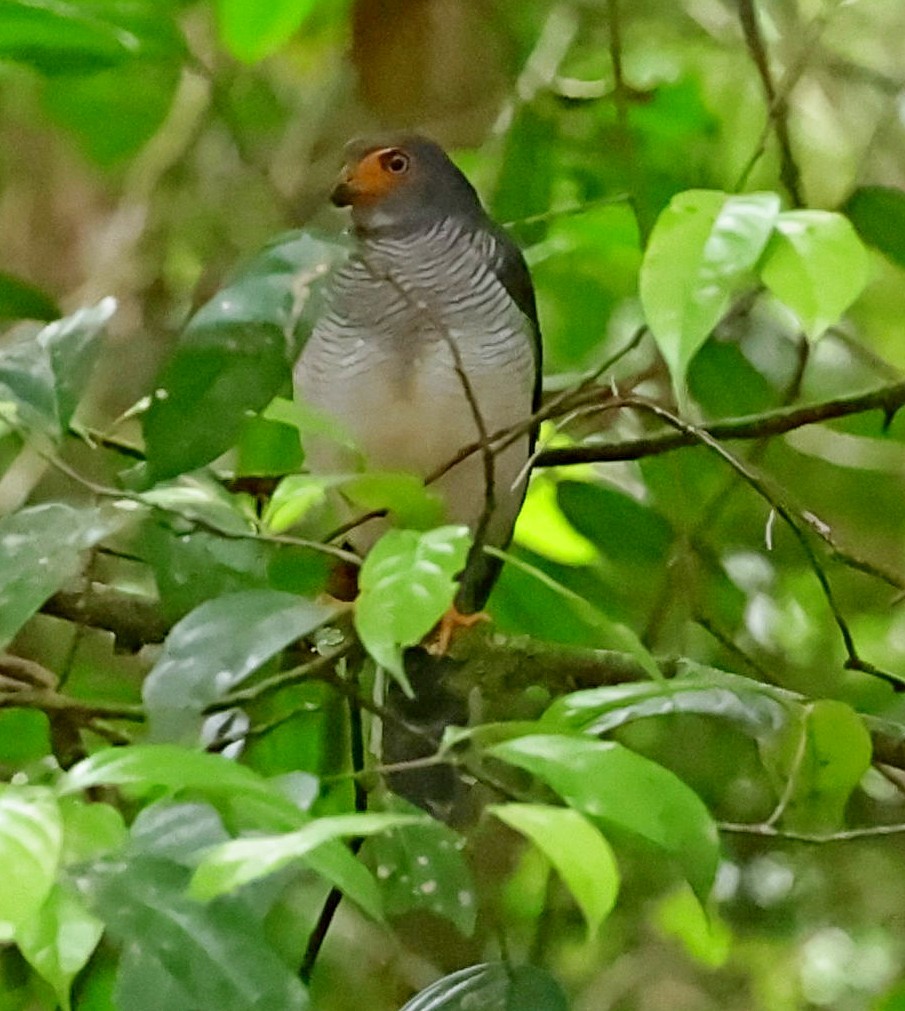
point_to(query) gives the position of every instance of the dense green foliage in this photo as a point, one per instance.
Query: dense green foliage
(686, 749)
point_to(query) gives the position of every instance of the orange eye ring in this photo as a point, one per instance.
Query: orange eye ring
(395, 162)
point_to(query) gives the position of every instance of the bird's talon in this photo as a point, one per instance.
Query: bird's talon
(441, 637)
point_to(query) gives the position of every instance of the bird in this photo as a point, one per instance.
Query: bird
(428, 343)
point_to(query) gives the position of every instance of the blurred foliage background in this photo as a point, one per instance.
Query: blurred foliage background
(148, 147)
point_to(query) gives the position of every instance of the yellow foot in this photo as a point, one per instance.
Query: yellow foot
(441, 636)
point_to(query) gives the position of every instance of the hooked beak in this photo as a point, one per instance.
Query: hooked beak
(344, 192)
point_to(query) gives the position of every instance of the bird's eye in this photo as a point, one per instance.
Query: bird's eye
(396, 162)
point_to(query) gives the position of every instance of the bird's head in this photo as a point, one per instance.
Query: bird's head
(402, 183)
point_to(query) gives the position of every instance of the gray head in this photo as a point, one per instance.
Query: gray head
(402, 183)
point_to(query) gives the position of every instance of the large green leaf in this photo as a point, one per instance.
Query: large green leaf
(703, 248)
(492, 986)
(752, 705)
(217, 956)
(21, 300)
(878, 214)
(59, 940)
(407, 582)
(421, 866)
(817, 265)
(251, 30)
(825, 756)
(215, 648)
(42, 549)
(233, 864)
(616, 787)
(43, 377)
(143, 768)
(31, 838)
(237, 352)
(576, 848)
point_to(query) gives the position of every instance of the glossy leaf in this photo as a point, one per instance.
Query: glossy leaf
(59, 940)
(407, 582)
(143, 768)
(90, 829)
(815, 264)
(42, 549)
(726, 696)
(199, 498)
(217, 956)
(233, 864)
(236, 353)
(421, 866)
(702, 250)
(878, 214)
(616, 787)
(492, 986)
(825, 766)
(31, 838)
(251, 30)
(294, 498)
(579, 852)
(43, 377)
(215, 648)
(21, 300)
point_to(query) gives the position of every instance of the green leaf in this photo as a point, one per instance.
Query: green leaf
(217, 956)
(542, 527)
(725, 696)
(293, 498)
(251, 30)
(616, 787)
(42, 550)
(409, 503)
(815, 264)
(825, 764)
(703, 248)
(21, 300)
(878, 214)
(215, 648)
(704, 936)
(268, 448)
(59, 940)
(45, 376)
(492, 986)
(237, 352)
(407, 582)
(144, 768)
(576, 848)
(90, 830)
(421, 866)
(198, 497)
(31, 839)
(226, 868)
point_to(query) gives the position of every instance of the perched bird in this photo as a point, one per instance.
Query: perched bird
(429, 342)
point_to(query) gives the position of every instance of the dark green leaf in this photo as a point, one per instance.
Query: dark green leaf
(616, 787)
(20, 300)
(492, 986)
(878, 214)
(42, 550)
(237, 352)
(215, 648)
(217, 956)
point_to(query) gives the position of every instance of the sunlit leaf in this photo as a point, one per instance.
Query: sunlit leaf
(703, 935)
(215, 648)
(31, 838)
(233, 864)
(610, 784)
(579, 852)
(817, 265)
(542, 527)
(492, 986)
(42, 549)
(702, 250)
(251, 30)
(407, 582)
(59, 940)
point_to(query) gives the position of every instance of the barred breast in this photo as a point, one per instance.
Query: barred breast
(380, 364)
